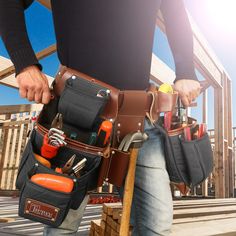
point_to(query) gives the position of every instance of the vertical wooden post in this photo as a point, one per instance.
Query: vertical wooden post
(225, 135)
(4, 151)
(230, 138)
(219, 145)
(204, 120)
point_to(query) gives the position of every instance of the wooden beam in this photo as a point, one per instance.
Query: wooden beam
(219, 170)
(40, 55)
(19, 108)
(160, 72)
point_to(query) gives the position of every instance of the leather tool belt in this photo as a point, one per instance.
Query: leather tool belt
(122, 106)
(80, 102)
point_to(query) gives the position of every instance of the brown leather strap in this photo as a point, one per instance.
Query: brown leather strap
(156, 102)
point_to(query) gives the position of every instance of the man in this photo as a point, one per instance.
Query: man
(112, 41)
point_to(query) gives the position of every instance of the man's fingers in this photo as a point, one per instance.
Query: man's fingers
(30, 94)
(22, 92)
(46, 96)
(38, 97)
(185, 100)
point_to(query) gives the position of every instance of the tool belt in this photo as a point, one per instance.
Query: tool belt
(46, 192)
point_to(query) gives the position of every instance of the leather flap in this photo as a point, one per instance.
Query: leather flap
(132, 102)
(166, 101)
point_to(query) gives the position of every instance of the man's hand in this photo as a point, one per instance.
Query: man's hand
(188, 90)
(33, 85)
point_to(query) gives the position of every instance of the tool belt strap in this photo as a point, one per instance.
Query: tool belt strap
(155, 102)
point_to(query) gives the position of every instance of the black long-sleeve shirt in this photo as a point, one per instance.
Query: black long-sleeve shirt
(107, 39)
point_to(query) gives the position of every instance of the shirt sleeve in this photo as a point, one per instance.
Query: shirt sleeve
(180, 38)
(14, 34)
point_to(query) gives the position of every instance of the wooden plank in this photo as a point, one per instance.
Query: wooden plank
(18, 154)
(230, 138)
(6, 220)
(206, 218)
(180, 213)
(9, 181)
(219, 146)
(96, 225)
(6, 158)
(4, 150)
(104, 216)
(203, 228)
(13, 109)
(107, 206)
(160, 72)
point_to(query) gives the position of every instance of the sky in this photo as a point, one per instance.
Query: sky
(215, 19)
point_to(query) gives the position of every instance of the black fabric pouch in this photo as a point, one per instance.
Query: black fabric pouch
(51, 200)
(82, 102)
(44, 205)
(190, 162)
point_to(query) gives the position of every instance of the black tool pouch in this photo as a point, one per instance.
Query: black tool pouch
(80, 103)
(188, 162)
(43, 204)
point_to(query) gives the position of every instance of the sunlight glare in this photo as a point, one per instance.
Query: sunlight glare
(222, 13)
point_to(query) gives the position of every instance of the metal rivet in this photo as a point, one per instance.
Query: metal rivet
(118, 124)
(118, 131)
(73, 77)
(106, 179)
(36, 164)
(26, 211)
(111, 120)
(113, 152)
(139, 124)
(75, 180)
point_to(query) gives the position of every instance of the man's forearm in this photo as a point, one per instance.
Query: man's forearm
(14, 34)
(180, 37)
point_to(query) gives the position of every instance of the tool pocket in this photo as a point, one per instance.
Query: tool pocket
(80, 104)
(199, 158)
(43, 205)
(85, 182)
(114, 168)
(188, 162)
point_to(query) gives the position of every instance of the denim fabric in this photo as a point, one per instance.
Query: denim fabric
(71, 223)
(152, 209)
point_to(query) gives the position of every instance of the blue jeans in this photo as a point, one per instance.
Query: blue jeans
(152, 209)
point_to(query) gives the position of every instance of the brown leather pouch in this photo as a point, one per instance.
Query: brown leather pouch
(114, 168)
